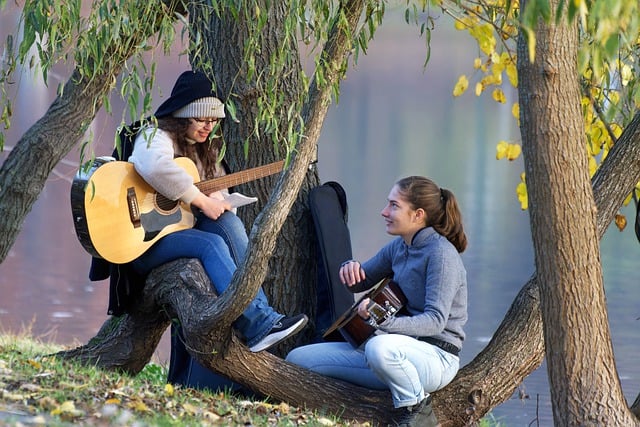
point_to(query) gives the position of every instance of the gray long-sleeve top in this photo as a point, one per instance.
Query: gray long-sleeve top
(432, 277)
(153, 158)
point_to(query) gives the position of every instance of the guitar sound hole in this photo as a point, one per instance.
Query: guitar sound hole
(165, 204)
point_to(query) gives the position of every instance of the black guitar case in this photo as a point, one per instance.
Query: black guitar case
(329, 209)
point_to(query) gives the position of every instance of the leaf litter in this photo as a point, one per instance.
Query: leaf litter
(46, 391)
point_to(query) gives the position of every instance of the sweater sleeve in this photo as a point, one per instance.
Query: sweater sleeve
(376, 268)
(152, 158)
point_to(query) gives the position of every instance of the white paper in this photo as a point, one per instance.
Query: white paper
(238, 199)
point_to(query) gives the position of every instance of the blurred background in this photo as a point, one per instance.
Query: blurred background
(394, 118)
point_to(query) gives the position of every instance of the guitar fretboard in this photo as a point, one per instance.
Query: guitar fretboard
(238, 178)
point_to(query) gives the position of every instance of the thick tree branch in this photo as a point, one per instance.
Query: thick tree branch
(54, 134)
(264, 233)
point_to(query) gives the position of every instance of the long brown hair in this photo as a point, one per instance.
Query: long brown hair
(439, 204)
(206, 154)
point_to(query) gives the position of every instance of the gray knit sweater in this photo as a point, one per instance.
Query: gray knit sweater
(431, 275)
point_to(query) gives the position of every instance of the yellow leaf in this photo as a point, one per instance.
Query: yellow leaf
(621, 222)
(34, 363)
(67, 409)
(168, 389)
(477, 63)
(497, 60)
(492, 79)
(521, 191)
(479, 88)
(139, 405)
(613, 97)
(510, 151)
(626, 73)
(593, 166)
(461, 86)
(112, 401)
(531, 43)
(484, 36)
(501, 150)
(66, 406)
(512, 74)
(513, 151)
(498, 96)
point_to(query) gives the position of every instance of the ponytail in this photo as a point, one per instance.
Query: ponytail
(440, 206)
(450, 225)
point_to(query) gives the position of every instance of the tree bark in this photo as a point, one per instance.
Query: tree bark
(585, 388)
(293, 259)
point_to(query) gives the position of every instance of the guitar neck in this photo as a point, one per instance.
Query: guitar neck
(238, 178)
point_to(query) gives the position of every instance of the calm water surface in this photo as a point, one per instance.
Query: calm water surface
(393, 120)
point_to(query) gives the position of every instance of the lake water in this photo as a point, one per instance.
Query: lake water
(393, 119)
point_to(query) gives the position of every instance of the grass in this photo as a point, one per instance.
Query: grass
(38, 389)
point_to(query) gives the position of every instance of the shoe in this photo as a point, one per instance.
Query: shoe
(419, 415)
(286, 327)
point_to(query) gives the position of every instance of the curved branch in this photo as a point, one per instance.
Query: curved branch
(27, 167)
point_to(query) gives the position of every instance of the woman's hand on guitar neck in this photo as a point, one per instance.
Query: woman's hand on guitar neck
(351, 273)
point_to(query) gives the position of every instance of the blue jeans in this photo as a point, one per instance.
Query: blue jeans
(399, 363)
(219, 245)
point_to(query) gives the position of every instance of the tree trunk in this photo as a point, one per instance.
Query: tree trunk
(516, 348)
(585, 388)
(27, 167)
(290, 277)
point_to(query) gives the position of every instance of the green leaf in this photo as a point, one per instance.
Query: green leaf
(544, 8)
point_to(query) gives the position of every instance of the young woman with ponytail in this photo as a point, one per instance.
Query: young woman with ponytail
(414, 354)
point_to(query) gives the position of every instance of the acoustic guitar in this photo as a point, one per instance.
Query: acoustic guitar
(118, 216)
(387, 300)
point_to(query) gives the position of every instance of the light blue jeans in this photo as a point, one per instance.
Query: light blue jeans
(219, 245)
(402, 364)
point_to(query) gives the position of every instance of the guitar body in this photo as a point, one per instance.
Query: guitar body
(118, 216)
(387, 299)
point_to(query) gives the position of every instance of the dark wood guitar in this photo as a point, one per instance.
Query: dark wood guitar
(387, 300)
(118, 216)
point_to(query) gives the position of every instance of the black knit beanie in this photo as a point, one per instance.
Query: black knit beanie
(190, 86)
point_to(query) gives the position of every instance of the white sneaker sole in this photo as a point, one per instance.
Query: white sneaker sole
(273, 339)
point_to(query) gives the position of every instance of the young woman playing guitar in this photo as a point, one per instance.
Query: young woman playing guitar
(416, 353)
